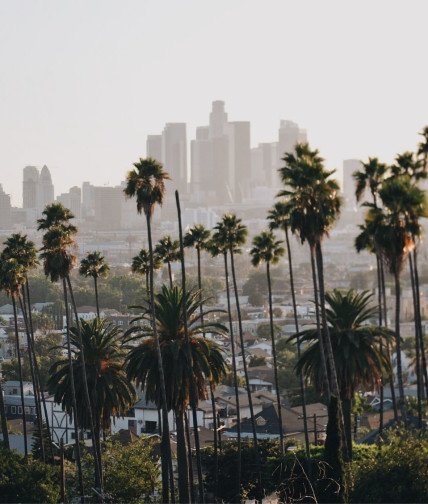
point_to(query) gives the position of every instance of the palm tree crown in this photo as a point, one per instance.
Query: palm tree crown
(207, 359)
(147, 183)
(111, 393)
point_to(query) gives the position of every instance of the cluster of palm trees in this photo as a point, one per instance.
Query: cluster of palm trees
(392, 231)
(166, 351)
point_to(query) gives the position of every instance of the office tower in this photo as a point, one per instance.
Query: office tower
(73, 201)
(154, 147)
(263, 171)
(5, 210)
(108, 207)
(174, 156)
(45, 194)
(348, 187)
(88, 200)
(30, 186)
(221, 159)
(238, 133)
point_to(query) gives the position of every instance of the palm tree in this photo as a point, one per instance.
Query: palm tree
(24, 251)
(93, 265)
(207, 361)
(198, 237)
(168, 251)
(278, 217)
(111, 393)
(217, 246)
(12, 279)
(146, 182)
(266, 249)
(312, 206)
(141, 265)
(232, 233)
(358, 360)
(395, 240)
(58, 260)
(371, 177)
(423, 147)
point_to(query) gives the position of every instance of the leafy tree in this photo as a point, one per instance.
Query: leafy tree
(22, 480)
(256, 360)
(131, 472)
(263, 331)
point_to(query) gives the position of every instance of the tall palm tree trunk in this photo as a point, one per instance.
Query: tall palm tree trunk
(247, 381)
(97, 300)
(97, 458)
(183, 470)
(170, 274)
(21, 384)
(193, 392)
(213, 407)
(167, 473)
(36, 387)
(326, 381)
(380, 322)
(296, 323)
(424, 370)
(235, 378)
(398, 348)
(189, 457)
(418, 337)
(334, 384)
(4, 429)
(388, 348)
(73, 396)
(37, 371)
(275, 365)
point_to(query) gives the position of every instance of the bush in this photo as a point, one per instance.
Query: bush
(22, 481)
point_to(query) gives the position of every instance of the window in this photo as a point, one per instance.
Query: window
(151, 426)
(19, 410)
(13, 410)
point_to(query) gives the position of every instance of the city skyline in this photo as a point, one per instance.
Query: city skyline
(84, 84)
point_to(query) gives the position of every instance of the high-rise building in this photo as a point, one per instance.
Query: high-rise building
(221, 159)
(348, 187)
(37, 192)
(238, 133)
(73, 201)
(154, 147)
(108, 207)
(5, 210)
(174, 155)
(30, 187)
(45, 194)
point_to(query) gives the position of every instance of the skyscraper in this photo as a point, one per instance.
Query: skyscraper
(30, 186)
(45, 194)
(37, 192)
(5, 210)
(174, 155)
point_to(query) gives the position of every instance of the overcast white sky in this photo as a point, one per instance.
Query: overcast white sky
(82, 83)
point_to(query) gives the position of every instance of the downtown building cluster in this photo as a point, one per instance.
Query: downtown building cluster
(217, 171)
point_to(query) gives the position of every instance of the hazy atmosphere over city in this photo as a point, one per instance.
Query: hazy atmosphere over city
(84, 83)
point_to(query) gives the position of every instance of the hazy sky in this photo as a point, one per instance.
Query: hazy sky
(83, 82)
